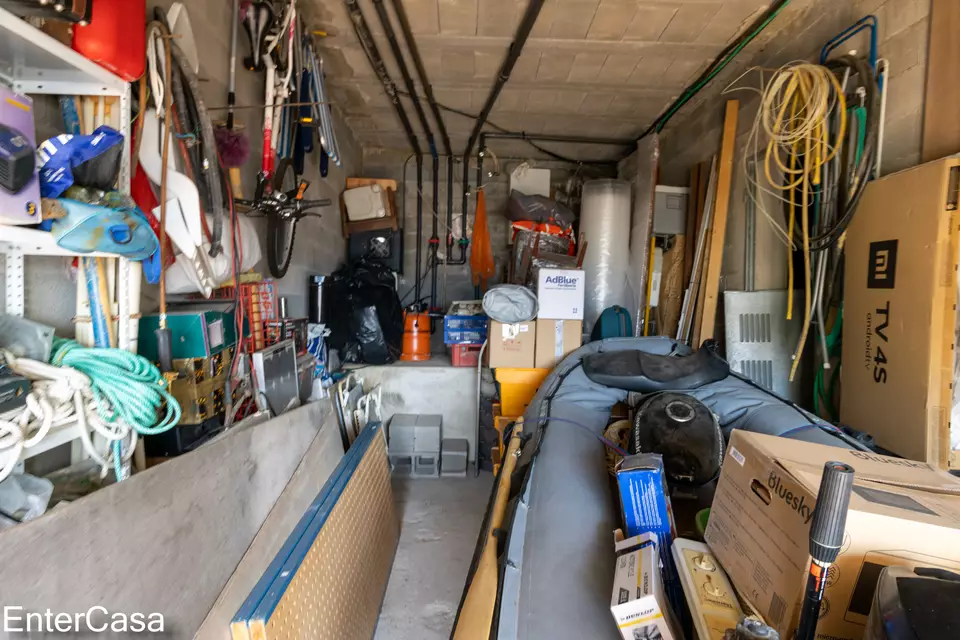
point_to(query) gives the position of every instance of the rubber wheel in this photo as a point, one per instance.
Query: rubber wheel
(281, 232)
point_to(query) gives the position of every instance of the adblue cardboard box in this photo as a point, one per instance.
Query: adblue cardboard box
(902, 512)
(560, 293)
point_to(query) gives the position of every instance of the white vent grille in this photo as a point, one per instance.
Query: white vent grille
(755, 327)
(760, 341)
(760, 371)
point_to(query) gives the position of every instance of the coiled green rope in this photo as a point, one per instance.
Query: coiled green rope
(126, 387)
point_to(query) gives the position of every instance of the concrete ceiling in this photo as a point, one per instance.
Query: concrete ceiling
(591, 67)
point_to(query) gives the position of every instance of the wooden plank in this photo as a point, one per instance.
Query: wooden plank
(671, 287)
(166, 540)
(688, 306)
(480, 600)
(697, 332)
(314, 470)
(702, 191)
(941, 126)
(718, 233)
(691, 226)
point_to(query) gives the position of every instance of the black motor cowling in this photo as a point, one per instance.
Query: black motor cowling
(684, 431)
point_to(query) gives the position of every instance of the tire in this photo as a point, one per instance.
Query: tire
(281, 233)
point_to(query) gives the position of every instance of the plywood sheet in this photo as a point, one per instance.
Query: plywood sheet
(165, 540)
(315, 469)
(671, 287)
(329, 578)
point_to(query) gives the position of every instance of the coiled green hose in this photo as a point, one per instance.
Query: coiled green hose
(126, 387)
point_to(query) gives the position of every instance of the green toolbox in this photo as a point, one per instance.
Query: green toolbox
(199, 331)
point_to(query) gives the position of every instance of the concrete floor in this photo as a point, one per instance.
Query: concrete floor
(440, 522)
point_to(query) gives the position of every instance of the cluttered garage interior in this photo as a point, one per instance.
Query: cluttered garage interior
(512, 319)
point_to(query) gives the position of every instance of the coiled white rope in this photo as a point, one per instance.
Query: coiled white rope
(60, 396)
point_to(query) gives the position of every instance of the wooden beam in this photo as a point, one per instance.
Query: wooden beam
(941, 126)
(719, 222)
(671, 287)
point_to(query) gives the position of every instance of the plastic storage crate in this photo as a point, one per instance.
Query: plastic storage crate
(464, 329)
(259, 302)
(465, 355)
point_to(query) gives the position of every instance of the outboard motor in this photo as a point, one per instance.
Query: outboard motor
(684, 431)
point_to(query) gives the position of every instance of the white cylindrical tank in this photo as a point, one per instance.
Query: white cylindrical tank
(605, 224)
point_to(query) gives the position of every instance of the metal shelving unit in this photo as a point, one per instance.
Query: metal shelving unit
(34, 63)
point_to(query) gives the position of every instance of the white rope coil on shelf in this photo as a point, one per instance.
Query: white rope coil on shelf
(59, 397)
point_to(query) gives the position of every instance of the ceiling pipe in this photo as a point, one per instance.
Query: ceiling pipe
(388, 30)
(404, 21)
(547, 137)
(362, 29)
(509, 62)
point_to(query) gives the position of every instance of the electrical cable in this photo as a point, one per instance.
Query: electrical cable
(817, 158)
(723, 59)
(493, 125)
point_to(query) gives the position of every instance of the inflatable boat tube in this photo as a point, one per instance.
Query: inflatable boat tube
(556, 566)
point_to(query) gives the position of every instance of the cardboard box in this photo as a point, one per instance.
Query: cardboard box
(898, 311)
(512, 346)
(556, 339)
(560, 293)
(902, 512)
(638, 603)
(645, 501)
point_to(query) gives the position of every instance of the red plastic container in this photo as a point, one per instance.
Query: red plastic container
(465, 355)
(116, 37)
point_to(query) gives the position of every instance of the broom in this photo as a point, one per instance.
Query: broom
(232, 143)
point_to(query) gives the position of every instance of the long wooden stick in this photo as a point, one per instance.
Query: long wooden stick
(721, 208)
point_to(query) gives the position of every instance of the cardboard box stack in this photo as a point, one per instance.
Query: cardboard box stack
(557, 330)
(560, 294)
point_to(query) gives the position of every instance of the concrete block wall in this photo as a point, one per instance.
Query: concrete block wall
(320, 246)
(694, 134)
(455, 282)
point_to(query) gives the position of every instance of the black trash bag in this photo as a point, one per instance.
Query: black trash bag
(369, 332)
(521, 207)
(354, 289)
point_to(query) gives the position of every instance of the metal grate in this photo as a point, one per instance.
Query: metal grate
(760, 371)
(755, 327)
(760, 340)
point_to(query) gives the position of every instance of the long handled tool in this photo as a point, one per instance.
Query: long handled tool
(164, 339)
(826, 537)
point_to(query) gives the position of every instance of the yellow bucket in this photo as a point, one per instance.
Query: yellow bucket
(517, 388)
